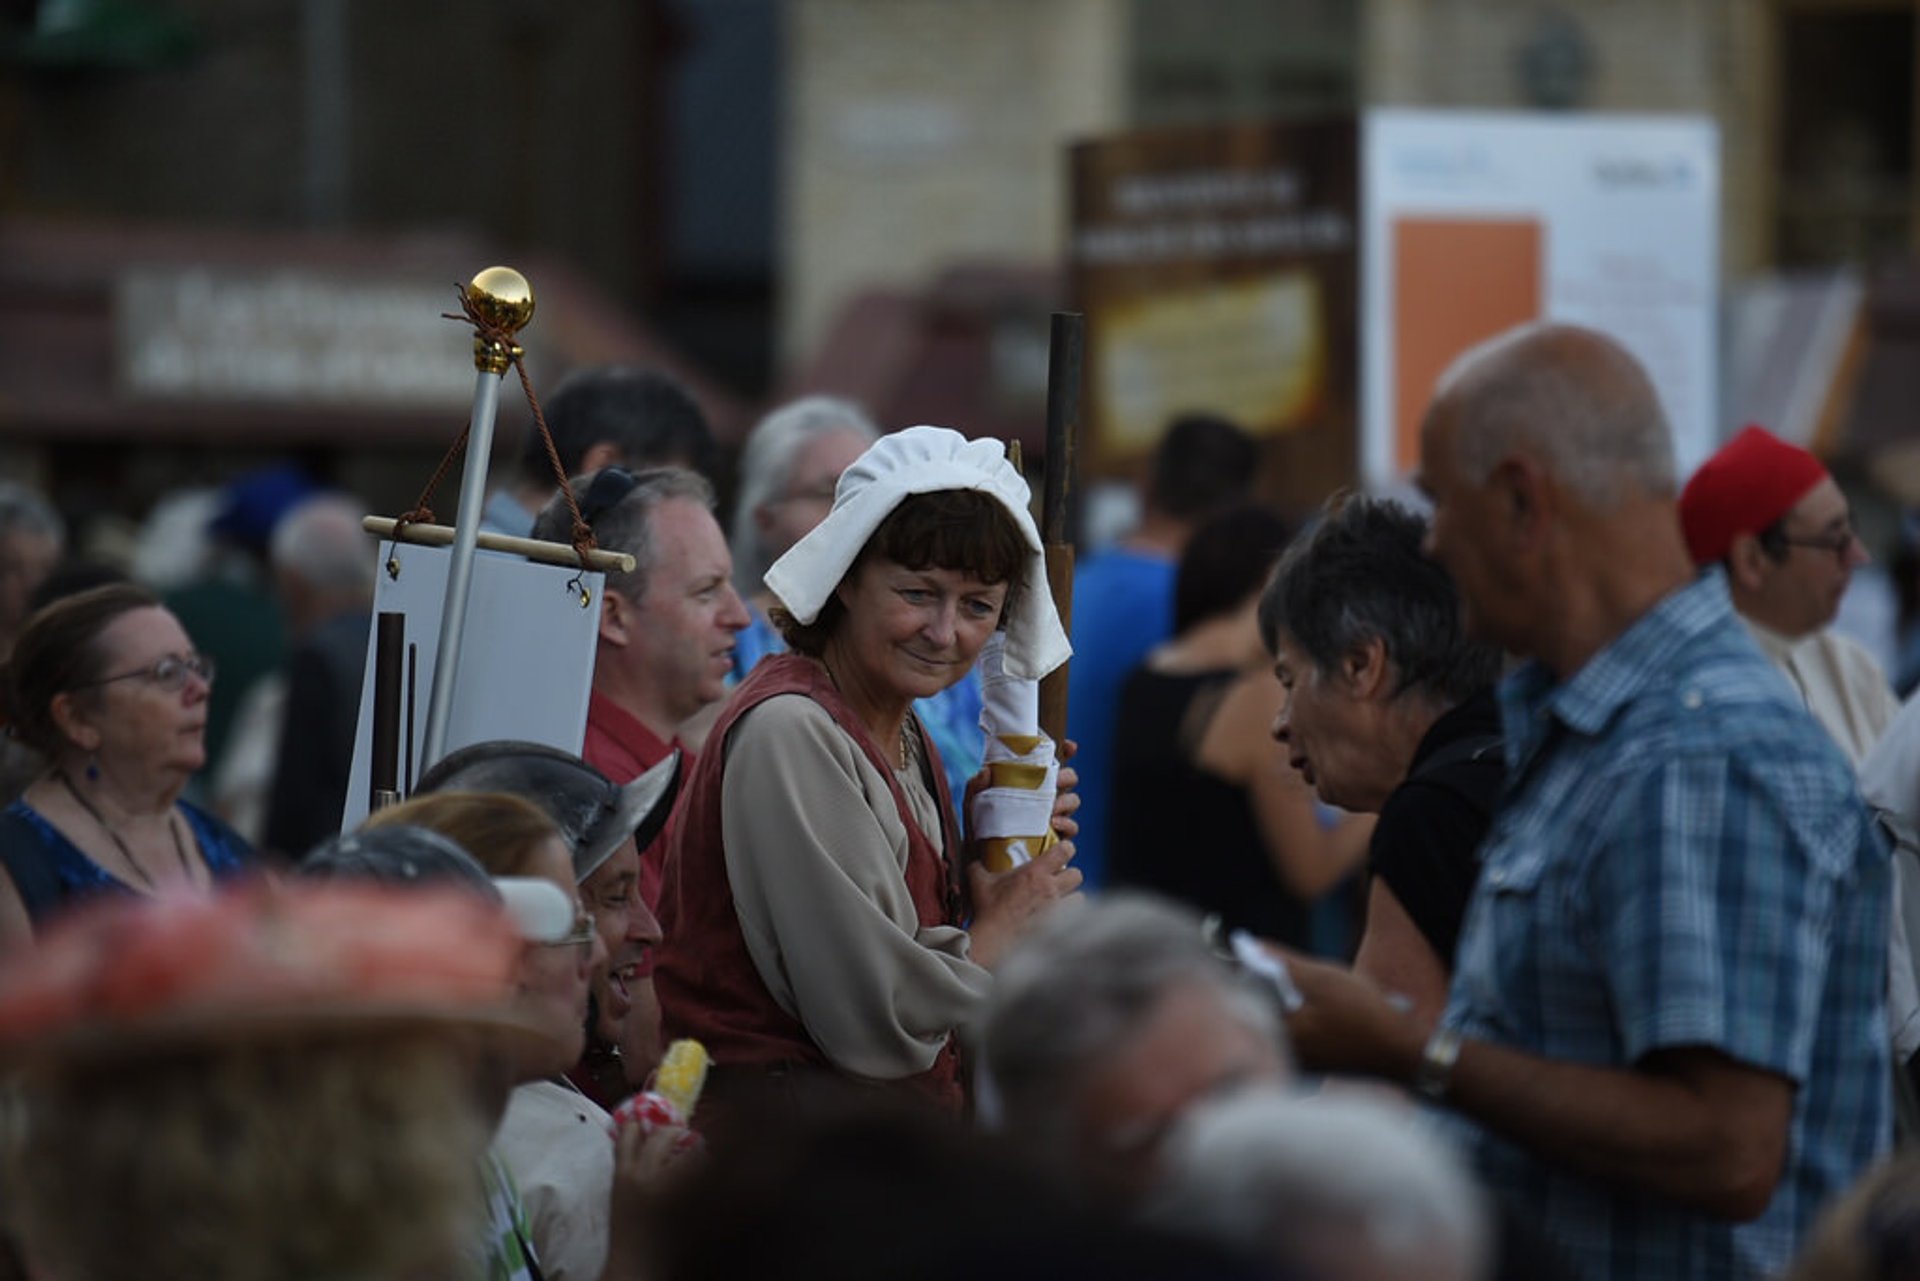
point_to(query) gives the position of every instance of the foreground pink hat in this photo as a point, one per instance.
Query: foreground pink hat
(256, 961)
(1754, 480)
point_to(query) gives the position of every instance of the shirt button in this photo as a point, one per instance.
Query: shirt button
(1691, 700)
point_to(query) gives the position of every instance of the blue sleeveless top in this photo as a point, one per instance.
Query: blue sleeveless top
(51, 872)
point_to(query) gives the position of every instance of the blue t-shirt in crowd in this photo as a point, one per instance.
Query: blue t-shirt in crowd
(1122, 607)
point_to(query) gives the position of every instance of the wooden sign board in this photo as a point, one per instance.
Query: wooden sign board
(1218, 270)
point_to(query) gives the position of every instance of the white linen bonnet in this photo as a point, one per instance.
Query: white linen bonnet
(924, 460)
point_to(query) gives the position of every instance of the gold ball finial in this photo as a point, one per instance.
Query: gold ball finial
(503, 296)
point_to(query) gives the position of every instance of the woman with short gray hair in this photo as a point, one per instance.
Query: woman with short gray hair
(1389, 709)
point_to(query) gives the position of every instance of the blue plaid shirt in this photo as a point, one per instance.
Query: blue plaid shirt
(1680, 859)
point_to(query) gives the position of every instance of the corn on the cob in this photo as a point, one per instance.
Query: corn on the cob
(681, 1075)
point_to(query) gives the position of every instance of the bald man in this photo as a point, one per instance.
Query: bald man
(1665, 1037)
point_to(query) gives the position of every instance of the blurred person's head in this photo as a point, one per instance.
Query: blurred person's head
(32, 539)
(512, 837)
(1338, 1186)
(620, 416)
(839, 1186)
(106, 684)
(1226, 563)
(1870, 1232)
(1367, 638)
(1203, 463)
(253, 504)
(1107, 1023)
(1771, 514)
(274, 1081)
(403, 855)
(171, 546)
(323, 562)
(788, 468)
(667, 627)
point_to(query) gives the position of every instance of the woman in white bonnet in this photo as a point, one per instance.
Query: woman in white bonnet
(819, 908)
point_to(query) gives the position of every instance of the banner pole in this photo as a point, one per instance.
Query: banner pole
(506, 299)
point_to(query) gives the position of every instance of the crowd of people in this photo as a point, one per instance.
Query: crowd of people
(1517, 888)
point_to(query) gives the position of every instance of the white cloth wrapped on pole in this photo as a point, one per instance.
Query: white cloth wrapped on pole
(1013, 816)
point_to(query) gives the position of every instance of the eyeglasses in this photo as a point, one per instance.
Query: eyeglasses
(169, 673)
(822, 493)
(581, 935)
(1838, 544)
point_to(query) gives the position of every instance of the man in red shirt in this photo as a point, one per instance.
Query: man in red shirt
(666, 629)
(665, 650)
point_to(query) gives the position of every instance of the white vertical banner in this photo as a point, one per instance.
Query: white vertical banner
(1473, 222)
(526, 656)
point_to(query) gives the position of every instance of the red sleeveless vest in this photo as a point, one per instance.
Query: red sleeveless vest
(705, 977)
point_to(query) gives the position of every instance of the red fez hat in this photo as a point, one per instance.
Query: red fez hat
(1754, 480)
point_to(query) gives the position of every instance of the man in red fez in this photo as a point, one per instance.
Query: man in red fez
(1770, 513)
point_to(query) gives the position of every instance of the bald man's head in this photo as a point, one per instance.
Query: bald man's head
(1570, 397)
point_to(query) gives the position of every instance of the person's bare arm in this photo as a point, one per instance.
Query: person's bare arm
(1688, 1124)
(1395, 955)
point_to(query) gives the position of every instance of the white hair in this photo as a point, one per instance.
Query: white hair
(1307, 1181)
(766, 469)
(1573, 397)
(321, 542)
(1079, 987)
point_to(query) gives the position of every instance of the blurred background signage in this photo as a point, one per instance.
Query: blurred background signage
(1217, 269)
(288, 335)
(1312, 280)
(1478, 221)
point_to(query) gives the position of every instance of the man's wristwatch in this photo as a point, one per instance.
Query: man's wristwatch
(1435, 1071)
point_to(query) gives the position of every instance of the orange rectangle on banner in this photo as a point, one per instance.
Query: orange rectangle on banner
(1456, 281)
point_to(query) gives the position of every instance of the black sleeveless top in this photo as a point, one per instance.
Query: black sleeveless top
(1178, 830)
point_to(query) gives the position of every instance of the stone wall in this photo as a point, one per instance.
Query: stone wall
(923, 131)
(1708, 57)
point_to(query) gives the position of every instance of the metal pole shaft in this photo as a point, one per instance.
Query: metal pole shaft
(453, 616)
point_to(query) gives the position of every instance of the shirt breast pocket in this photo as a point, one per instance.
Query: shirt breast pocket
(1506, 930)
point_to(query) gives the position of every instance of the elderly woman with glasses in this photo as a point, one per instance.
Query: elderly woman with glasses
(822, 917)
(106, 686)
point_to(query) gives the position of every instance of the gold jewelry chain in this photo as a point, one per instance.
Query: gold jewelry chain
(908, 747)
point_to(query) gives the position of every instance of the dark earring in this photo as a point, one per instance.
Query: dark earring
(93, 768)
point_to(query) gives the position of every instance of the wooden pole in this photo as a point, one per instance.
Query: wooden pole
(1066, 358)
(388, 652)
(532, 548)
